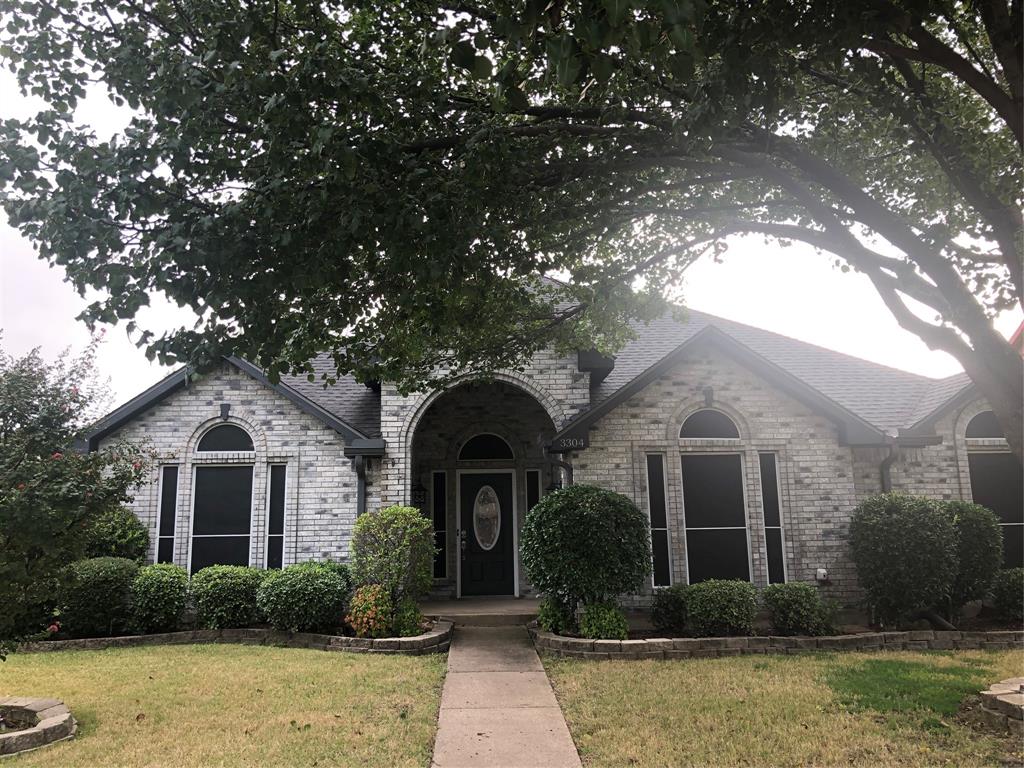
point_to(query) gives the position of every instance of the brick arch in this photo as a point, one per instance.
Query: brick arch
(692, 405)
(963, 418)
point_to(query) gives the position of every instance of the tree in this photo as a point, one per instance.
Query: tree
(375, 178)
(50, 493)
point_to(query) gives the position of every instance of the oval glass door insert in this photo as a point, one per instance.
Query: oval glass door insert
(486, 518)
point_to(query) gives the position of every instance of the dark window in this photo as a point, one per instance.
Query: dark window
(715, 515)
(708, 424)
(659, 519)
(532, 488)
(225, 437)
(275, 522)
(168, 514)
(984, 425)
(222, 509)
(997, 482)
(772, 518)
(485, 447)
(439, 508)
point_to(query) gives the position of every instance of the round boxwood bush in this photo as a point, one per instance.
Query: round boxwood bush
(1008, 594)
(586, 544)
(552, 616)
(905, 551)
(668, 609)
(409, 619)
(371, 611)
(797, 609)
(308, 597)
(394, 548)
(225, 596)
(719, 608)
(603, 621)
(117, 533)
(159, 595)
(97, 598)
(979, 540)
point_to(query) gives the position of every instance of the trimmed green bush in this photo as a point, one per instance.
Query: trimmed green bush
(979, 540)
(603, 621)
(586, 544)
(668, 610)
(797, 609)
(307, 597)
(371, 612)
(408, 619)
(1008, 594)
(117, 533)
(97, 599)
(394, 547)
(159, 595)
(552, 616)
(225, 596)
(341, 570)
(905, 550)
(719, 608)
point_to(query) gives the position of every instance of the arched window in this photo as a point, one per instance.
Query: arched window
(485, 447)
(997, 482)
(709, 424)
(984, 425)
(225, 437)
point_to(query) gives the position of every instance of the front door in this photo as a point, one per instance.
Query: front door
(486, 526)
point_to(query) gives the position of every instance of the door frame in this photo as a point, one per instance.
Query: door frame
(458, 520)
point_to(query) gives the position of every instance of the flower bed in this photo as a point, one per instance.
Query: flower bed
(38, 722)
(706, 647)
(436, 640)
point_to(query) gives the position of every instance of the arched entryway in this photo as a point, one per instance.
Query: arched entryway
(477, 466)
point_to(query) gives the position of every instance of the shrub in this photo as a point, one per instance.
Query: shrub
(552, 616)
(718, 608)
(797, 609)
(395, 549)
(668, 611)
(905, 551)
(117, 533)
(1008, 594)
(408, 619)
(159, 595)
(603, 621)
(341, 570)
(979, 541)
(585, 544)
(97, 600)
(225, 596)
(308, 597)
(371, 612)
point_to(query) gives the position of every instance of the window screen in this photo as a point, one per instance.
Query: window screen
(167, 514)
(772, 518)
(997, 482)
(715, 516)
(709, 424)
(225, 437)
(222, 510)
(984, 425)
(485, 447)
(275, 521)
(659, 519)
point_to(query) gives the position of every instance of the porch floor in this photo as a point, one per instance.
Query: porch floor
(484, 611)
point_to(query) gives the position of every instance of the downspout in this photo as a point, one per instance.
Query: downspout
(885, 467)
(565, 465)
(359, 461)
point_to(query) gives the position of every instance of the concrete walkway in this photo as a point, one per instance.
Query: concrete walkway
(497, 707)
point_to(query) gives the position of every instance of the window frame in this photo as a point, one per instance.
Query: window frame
(650, 522)
(219, 425)
(764, 522)
(697, 440)
(284, 513)
(196, 466)
(511, 453)
(160, 510)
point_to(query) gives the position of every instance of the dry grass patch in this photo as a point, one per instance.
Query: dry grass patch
(825, 710)
(230, 705)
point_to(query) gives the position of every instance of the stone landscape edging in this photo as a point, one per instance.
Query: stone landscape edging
(436, 640)
(1002, 706)
(52, 722)
(710, 647)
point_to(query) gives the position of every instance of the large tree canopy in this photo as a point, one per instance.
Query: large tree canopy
(389, 180)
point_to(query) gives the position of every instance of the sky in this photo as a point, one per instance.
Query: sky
(792, 291)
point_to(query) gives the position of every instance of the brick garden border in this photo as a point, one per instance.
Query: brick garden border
(1002, 706)
(50, 719)
(435, 641)
(709, 647)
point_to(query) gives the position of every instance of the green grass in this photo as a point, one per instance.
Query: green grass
(824, 710)
(231, 705)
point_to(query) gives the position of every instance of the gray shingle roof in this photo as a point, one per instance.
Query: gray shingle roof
(349, 400)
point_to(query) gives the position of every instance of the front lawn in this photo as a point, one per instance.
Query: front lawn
(229, 705)
(843, 709)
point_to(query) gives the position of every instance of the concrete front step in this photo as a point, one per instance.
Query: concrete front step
(489, 619)
(484, 611)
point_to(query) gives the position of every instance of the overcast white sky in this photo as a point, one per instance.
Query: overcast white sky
(792, 290)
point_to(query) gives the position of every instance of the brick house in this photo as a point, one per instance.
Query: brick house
(747, 450)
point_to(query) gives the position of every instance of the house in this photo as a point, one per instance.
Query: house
(748, 451)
